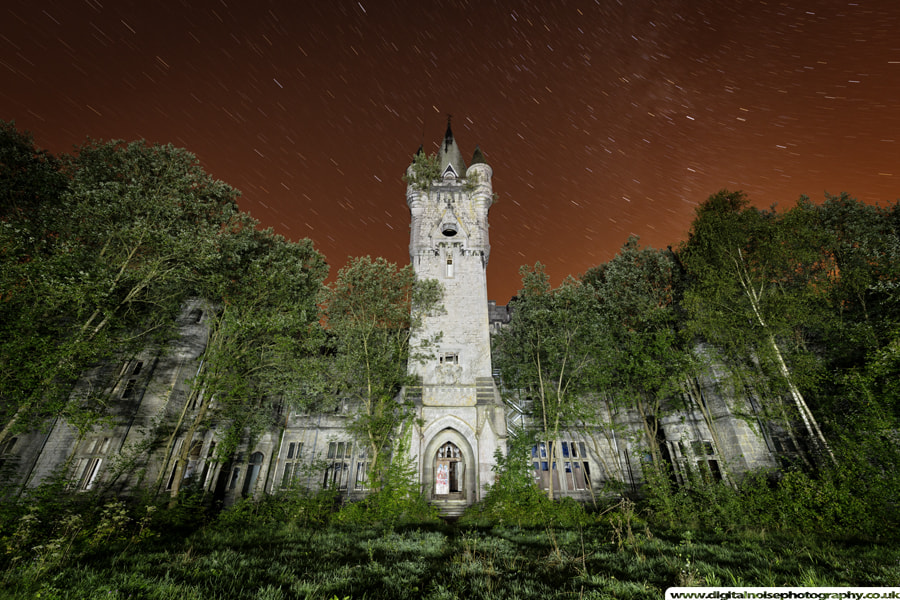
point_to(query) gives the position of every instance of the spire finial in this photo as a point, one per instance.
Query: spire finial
(448, 136)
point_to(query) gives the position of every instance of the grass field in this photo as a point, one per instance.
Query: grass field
(275, 561)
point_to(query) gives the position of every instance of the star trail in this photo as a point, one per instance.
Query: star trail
(601, 119)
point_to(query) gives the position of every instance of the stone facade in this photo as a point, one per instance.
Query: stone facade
(461, 420)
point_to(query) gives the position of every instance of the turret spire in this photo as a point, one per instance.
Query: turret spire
(450, 157)
(448, 135)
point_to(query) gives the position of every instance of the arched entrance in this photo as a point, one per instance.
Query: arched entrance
(449, 467)
(449, 473)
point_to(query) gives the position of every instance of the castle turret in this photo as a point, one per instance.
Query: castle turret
(459, 403)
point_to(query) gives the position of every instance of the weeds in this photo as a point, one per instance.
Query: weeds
(292, 547)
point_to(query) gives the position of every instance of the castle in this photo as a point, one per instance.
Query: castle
(460, 422)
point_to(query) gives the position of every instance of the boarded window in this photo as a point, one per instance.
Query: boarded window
(569, 470)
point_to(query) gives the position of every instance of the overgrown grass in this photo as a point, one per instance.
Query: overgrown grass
(797, 531)
(616, 556)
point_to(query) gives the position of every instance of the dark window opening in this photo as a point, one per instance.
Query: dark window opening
(172, 476)
(256, 461)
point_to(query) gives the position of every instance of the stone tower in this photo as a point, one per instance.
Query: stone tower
(462, 416)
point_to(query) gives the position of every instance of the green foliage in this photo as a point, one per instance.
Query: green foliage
(370, 311)
(101, 269)
(425, 170)
(850, 500)
(800, 308)
(43, 533)
(547, 350)
(30, 178)
(271, 560)
(756, 277)
(514, 499)
(186, 512)
(643, 357)
(298, 507)
(396, 497)
(264, 337)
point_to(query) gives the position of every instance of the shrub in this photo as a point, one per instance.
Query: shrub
(514, 499)
(299, 507)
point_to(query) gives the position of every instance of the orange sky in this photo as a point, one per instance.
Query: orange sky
(600, 119)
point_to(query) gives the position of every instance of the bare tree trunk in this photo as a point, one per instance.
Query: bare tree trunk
(87, 332)
(755, 296)
(182, 459)
(693, 391)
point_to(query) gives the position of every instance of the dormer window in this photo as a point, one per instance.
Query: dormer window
(449, 173)
(449, 229)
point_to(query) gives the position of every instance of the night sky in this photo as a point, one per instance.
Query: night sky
(600, 119)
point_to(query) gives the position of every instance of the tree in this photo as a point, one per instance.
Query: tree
(263, 334)
(747, 292)
(369, 312)
(643, 359)
(855, 329)
(859, 244)
(31, 185)
(546, 351)
(30, 178)
(140, 221)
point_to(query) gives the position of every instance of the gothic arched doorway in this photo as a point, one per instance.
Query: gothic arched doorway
(449, 473)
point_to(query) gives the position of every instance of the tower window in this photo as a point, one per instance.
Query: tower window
(450, 359)
(449, 266)
(449, 229)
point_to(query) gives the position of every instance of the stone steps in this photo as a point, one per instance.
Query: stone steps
(451, 508)
(485, 390)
